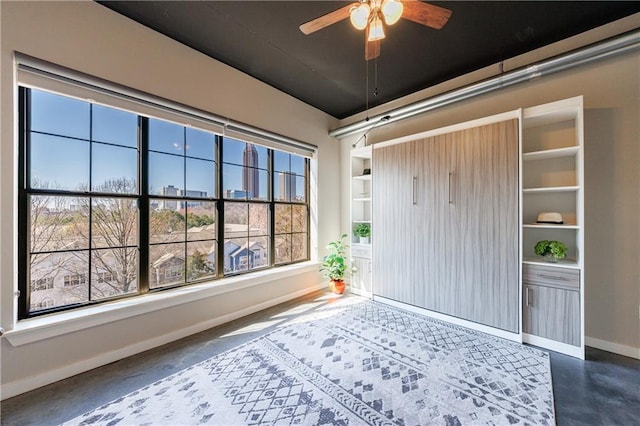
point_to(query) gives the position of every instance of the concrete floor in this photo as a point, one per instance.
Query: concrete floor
(602, 390)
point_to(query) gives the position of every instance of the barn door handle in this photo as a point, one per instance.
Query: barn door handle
(415, 190)
(450, 199)
(528, 298)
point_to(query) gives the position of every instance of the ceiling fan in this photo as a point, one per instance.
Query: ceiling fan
(369, 15)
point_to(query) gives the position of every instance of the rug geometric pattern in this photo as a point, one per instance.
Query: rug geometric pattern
(350, 363)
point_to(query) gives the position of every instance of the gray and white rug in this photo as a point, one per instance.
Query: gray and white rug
(353, 362)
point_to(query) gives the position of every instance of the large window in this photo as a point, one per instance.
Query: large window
(82, 188)
(291, 211)
(115, 204)
(182, 224)
(246, 224)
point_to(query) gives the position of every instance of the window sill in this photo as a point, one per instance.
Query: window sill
(36, 329)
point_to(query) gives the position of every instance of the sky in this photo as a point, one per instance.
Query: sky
(60, 151)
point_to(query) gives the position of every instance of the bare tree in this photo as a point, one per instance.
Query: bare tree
(49, 221)
(114, 239)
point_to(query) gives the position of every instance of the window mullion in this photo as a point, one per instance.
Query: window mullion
(307, 194)
(183, 202)
(220, 211)
(272, 208)
(143, 205)
(24, 252)
(90, 209)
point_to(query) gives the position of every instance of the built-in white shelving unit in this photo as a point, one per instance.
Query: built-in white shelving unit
(360, 199)
(553, 181)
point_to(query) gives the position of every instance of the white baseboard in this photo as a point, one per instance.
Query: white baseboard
(516, 337)
(30, 383)
(564, 348)
(616, 348)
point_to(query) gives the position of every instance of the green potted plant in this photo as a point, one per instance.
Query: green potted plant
(334, 264)
(362, 231)
(551, 250)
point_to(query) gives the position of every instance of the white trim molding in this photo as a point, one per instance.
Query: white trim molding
(554, 345)
(497, 118)
(616, 348)
(515, 337)
(40, 328)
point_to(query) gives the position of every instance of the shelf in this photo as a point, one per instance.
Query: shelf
(551, 189)
(542, 115)
(551, 153)
(562, 263)
(362, 199)
(361, 221)
(362, 177)
(363, 153)
(549, 226)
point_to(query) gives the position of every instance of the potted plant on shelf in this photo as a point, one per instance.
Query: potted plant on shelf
(362, 231)
(551, 250)
(334, 264)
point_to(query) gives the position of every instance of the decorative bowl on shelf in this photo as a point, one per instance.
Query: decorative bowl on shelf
(551, 258)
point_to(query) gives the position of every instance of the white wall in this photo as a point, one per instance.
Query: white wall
(611, 92)
(92, 39)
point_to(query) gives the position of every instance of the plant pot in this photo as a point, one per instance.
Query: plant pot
(364, 240)
(551, 258)
(337, 286)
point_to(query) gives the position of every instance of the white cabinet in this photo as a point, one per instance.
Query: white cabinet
(360, 199)
(456, 222)
(552, 181)
(361, 275)
(551, 303)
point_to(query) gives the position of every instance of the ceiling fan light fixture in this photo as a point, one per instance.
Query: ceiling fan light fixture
(391, 11)
(376, 31)
(360, 16)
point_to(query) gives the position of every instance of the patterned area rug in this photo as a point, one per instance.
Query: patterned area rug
(352, 362)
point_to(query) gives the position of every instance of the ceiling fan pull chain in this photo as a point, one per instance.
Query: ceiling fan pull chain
(375, 76)
(367, 88)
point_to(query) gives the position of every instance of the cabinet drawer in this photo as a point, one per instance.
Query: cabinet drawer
(550, 276)
(361, 251)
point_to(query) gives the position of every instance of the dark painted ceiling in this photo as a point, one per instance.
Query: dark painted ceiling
(327, 69)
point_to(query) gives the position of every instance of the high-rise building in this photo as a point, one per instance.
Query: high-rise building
(172, 191)
(236, 194)
(169, 204)
(287, 186)
(250, 175)
(193, 194)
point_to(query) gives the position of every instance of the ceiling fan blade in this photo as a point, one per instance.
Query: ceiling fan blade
(425, 13)
(326, 20)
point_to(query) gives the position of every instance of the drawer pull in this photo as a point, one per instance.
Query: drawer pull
(553, 277)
